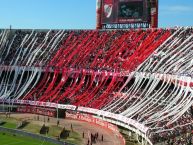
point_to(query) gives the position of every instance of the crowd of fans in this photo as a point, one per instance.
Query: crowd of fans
(21, 44)
(88, 66)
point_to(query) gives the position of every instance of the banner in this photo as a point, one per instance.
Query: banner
(91, 119)
(37, 110)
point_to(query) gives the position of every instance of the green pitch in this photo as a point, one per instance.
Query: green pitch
(10, 139)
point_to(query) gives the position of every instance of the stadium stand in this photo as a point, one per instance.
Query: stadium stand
(143, 74)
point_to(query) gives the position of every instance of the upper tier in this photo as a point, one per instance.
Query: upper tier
(117, 50)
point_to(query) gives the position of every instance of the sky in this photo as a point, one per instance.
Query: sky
(79, 14)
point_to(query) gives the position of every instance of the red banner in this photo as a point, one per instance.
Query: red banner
(37, 110)
(91, 119)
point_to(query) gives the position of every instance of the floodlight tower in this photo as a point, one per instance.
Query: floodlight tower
(99, 14)
(154, 13)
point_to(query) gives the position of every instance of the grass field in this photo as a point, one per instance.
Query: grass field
(54, 131)
(10, 123)
(74, 138)
(10, 139)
